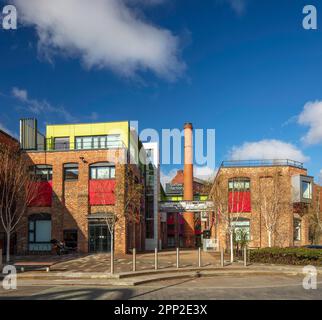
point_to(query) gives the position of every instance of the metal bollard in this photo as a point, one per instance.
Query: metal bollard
(134, 259)
(245, 257)
(156, 258)
(178, 261)
(112, 262)
(199, 257)
(222, 258)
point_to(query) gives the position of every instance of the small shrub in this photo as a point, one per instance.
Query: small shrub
(291, 256)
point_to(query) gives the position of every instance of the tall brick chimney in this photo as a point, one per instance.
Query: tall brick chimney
(189, 227)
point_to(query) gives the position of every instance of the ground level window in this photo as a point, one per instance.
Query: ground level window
(241, 229)
(39, 227)
(70, 238)
(297, 229)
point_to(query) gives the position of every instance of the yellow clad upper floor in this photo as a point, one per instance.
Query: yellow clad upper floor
(88, 135)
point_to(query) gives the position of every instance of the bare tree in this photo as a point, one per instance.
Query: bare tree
(229, 204)
(271, 201)
(132, 203)
(17, 190)
(315, 214)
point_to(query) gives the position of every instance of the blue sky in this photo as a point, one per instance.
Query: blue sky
(244, 67)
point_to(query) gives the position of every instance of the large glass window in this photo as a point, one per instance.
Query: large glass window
(239, 184)
(71, 171)
(241, 229)
(62, 143)
(98, 142)
(307, 190)
(297, 229)
(102, 171)
(39, 232)
(42, 172)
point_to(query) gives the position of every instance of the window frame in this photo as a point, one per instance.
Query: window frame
(72, 166)
(67, 143)
(110, 166)
(100, 144)
(33, 220)
(49, 173)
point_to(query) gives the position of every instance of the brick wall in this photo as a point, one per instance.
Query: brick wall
(283, 236)
(70, 204)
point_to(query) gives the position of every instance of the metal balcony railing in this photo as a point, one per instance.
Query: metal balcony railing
(51, 145)
(262, 163)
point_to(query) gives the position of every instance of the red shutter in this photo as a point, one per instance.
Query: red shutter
(43, 194)
(239, 201)
(102, 192)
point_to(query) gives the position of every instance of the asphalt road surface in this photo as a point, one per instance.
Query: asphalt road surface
(207, 288)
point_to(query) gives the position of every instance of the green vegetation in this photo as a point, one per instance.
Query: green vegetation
(291, 256)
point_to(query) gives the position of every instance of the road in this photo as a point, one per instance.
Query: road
(212, 288)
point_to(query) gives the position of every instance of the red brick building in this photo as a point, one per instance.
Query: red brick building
(84, 175)
(268, 200)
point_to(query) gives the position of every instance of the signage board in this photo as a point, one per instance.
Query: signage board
(186, 206)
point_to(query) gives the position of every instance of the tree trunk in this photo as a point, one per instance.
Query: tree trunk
(231, 246)
(269, 238)
(112, 252)
(8, 248)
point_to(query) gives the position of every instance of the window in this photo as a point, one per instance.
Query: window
(70, 171)
(39, 232)
(62, 143)
(42, 172)
(102, 171)
(297, 229)
(98, 142)
(306, 190)
(239, 195)
(70, 238)
(241, 229)
(239, 184)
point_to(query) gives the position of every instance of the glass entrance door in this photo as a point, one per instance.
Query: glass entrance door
(99, 238)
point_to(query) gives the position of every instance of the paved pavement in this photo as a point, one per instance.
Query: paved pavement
(223, 287)
(123, 263)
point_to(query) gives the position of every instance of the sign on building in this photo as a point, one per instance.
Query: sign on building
(186, 206)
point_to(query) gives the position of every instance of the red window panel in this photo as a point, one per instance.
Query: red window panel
(239, 201)
(102, 192)
(43, 194)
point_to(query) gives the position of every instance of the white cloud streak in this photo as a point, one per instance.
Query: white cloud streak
(41, 107)
(104, 34)
(267, 149)
(311, 116)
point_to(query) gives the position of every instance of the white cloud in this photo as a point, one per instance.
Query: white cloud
(267, 149)
(311, 116)
(104, 34)
(41, 107)
(20, 94)
(320, 176)
(167, 177)
(239, 6)
(204, 173)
